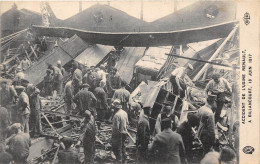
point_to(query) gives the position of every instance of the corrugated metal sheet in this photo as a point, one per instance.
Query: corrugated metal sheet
(93, 55)
(127, 61)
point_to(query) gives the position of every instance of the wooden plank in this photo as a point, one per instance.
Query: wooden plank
(215, 54)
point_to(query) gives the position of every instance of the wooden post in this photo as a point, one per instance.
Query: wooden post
(216, 53)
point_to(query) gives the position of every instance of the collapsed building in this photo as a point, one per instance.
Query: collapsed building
(145, 62)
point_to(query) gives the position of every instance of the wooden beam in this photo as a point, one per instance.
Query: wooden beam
(216, 53)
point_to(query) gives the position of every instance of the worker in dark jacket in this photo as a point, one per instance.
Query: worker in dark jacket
(113, 82)
(101, 105)
(70, 154)
(35, 106)
(85, 100)
(48, 83)
(19, 145)
(143, 136)
(89, 137)
(167, 145)
(187, 134)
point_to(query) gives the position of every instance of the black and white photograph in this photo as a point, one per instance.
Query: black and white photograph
(137, 82)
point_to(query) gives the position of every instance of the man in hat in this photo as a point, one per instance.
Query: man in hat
(168, 145)
(68, 95)
(143, 136)
(35, 107)
(167, 111)
(57, 78)
(113, 82)
(101, 105)
(178, 78)
(23, 109)
(48, 83)
(220, 87)
(19, 145)
(89, 137)
(206, 130)
(85, 100)
(119, 131)
(8, 97)
(123, 95)
(187, 134)
(69, 154)
(90, 78)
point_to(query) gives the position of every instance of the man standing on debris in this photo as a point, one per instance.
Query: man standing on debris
(69, 154)
(8, 97)
(102, 74)
(35, 106)
(85, 100)
(168, 145)
(48, 83)
(61, 68)
(25, 63)
(177, 79)
(123, 95)
(113, 82)
(206, 131)
(90, 78)
(89, 137)
(220, 87)
(187, 134)
(101, 105)
(143, 136)
(57, 78)
(23, 109)
(19, 145)
(119, 131)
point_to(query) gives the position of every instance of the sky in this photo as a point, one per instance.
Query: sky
(152, 10)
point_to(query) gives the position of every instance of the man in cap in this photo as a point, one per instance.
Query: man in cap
(113, 82)
(69, 92)
(123, 95)
(178, 78)
(167, 111)
(57, 78)
(69, 154)
(119, 131)
(89, 137)
(187, 134)
(101, 105)
(8, 97)
(168, 145)
(23, 109)
(220, 87)
(48, 83)
(19, 145)
(85, 100)
(35, 107)
(206, 130)
(90, 77)
(143, 136)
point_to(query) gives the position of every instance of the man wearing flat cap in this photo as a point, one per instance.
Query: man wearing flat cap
(177, 79)
(220, 87)
(119, 131)
(85, 100)
(167, 145)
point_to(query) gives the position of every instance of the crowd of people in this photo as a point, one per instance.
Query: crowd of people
(100, 95)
